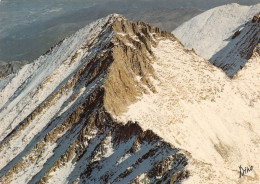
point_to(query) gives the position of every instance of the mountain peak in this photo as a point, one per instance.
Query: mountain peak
(132, 58)
(124, 102)
(57, 113)
(210, 35)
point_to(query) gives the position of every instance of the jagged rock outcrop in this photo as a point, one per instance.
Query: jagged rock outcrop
(196, 106)
(123, 102)
(131, 71)
(256, 18)
(56, 124)
(236, 34)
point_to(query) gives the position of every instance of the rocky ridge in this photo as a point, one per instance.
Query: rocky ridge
(85, 112)
(198, 107)
(56, 125)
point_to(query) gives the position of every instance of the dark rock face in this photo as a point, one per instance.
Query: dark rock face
(130, 149)
(256, 18)
(235, 55)
(236, 34)
(82, 143)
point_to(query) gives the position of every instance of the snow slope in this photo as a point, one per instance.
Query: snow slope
(32, 86)
(60, 116)
(54, 125)
(239, 50)
(210, 35)
(210, 31)
(57, 66)
(201, 110)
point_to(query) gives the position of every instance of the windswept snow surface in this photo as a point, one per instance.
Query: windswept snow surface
(55, 128)
(32, 85)
(199, 109)
(54, 68)
(212, 30)
(214, 120)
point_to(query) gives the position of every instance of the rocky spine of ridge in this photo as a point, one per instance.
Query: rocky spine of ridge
(234, 56)
(70, 135)
(128, 80)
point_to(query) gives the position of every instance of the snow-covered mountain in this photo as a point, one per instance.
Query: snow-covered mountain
(197, 108)
(212, 35)
(56, 124)
(124, 102)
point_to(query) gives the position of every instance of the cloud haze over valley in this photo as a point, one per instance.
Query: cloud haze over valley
(30, 27)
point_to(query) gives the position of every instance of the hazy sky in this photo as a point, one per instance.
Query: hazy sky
(23, 20)
(26, 11)
(17, 12)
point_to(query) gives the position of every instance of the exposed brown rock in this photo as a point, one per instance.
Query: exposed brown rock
(88, 132)
(236, 34)
(132, 59)
(256, 17)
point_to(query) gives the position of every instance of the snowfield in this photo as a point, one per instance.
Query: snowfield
(211, 31)
(199, 109)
